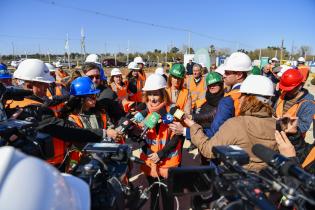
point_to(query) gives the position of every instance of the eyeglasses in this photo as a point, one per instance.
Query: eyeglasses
(94, 76)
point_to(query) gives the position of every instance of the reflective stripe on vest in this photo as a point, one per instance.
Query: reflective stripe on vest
(59, 145)
(235, 95)
(78, 121)
(181, 98)
(156, 142)
(197, 91)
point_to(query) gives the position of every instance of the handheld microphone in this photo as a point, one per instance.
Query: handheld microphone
(177, 113)
(168, 118)
(150, 122)
(285, 166)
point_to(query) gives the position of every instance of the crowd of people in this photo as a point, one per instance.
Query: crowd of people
(234, 104)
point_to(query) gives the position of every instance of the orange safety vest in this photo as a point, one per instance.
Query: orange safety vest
(292, 112)
(61, 75)
(181, 98)
(60, 146)
(309, 158)
(154, 143)
(58, 92)
(198, 91)
(122, 91)
(137, 97)
(305, 70)
(235, 95)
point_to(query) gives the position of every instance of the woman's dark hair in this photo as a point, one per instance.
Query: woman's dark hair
(74, 105)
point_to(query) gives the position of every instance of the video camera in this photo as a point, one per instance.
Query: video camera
(28, 139)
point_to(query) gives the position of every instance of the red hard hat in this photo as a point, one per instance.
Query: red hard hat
(290, 79)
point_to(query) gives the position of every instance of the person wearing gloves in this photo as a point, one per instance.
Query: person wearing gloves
(178, 94)
(117, 84)
(254, 125)
(161, 149)
(135, 82)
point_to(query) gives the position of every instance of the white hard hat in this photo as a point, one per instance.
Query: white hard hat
(138, 60)
(58, 64)
(92, 58)
(283, 68)
(115, 71)
(238, 61)
(133, 65)
(29, 183)
(33, 70)
(257, 85)
(220, 69)
(159, 71)
(301, 60)
(154, 82)
(274, 59)
(50, 67)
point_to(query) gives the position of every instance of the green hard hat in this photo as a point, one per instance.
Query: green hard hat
(256, 70)
(213, 77)
(178, 70)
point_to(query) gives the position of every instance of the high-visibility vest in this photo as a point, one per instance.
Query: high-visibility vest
(154, 143)
(58, 92)
(60, 146)
(121, 91)
(197, 91)
(305, 70)
(60, 75)
(78, 121)
(291, 112)
(235, 95)
(181, 98)
(137, 97)
(309, 158)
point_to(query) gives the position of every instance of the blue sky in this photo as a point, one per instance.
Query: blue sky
(32, 24)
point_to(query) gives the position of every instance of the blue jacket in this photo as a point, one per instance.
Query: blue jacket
(225, 111)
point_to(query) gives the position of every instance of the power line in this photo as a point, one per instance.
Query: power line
(34, 37)
(53, 3)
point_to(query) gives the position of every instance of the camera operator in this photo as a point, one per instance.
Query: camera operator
(255, 125)
(34, 75)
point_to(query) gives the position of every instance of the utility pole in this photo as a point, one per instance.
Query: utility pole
(83, 53)
(128, 52)
(166, 54)
(40, 56)
(259, 53)
(281, 50)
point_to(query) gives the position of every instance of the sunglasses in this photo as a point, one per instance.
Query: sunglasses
(94, 76)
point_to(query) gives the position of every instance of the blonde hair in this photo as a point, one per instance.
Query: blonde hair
(251, 104)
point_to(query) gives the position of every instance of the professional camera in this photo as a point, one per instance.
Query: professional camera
(26, 138)
(105, 167)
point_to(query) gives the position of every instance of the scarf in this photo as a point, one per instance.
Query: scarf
(213, 99)
(155, 108)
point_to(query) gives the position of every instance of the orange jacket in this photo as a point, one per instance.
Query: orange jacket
(121, 91)
(235, 95)
(60, 146)
(309, 158)
(181, 99)
(305, 70)
(155, 142)
(58, 92)
(198, 91)
(137, 97)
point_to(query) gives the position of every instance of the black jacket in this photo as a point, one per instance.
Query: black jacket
(189, 68)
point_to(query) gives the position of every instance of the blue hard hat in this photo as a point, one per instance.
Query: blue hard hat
(83, 86)
(4, 73)
(102, 74)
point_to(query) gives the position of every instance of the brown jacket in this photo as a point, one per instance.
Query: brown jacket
(243, 131)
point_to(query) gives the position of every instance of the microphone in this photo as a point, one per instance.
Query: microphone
(284, 165)
(177, 113)
(150, 122)
(168, 118)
